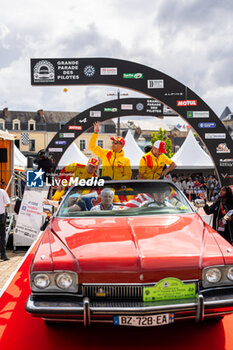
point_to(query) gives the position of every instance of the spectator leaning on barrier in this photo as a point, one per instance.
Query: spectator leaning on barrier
(4, 202)
(152, 163)
(114, 162)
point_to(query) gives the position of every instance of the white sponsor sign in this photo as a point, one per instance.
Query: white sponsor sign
(198, 114)
(222, 148)
(55, 149)
(155, 84)
(108, 71)
(95, 114)
(66, 135)
(29, 219)
(215, 136)
(127, 107)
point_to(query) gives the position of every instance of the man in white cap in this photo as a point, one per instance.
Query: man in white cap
(152, 164)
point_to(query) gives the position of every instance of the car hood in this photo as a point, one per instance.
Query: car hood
(152, 247)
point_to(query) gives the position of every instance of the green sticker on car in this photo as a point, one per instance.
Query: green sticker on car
(168, 289)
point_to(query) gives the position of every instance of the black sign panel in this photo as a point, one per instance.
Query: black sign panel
(179, 98)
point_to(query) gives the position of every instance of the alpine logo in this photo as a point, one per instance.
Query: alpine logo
(227, 176)
(184, 103)
(83, 120)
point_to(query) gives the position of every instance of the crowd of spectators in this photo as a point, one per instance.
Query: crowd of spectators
(194, 184)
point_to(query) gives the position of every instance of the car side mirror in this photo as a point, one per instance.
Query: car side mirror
(199, 203)
(48, 209)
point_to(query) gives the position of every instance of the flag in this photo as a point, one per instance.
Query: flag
(25, 138)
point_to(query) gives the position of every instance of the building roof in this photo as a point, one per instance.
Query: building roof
(225, 113)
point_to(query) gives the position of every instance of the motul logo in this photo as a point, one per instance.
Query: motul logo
(186, 103)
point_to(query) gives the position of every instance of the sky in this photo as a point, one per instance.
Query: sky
(190, 40)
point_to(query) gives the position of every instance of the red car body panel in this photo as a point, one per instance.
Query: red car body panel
(138, 249)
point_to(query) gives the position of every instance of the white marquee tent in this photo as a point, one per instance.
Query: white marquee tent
(72, 155)
(192, 156)
(132, 150)
(20, 161)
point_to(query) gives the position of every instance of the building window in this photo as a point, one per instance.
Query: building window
(32, 145)
(31, 125)
(101, 143)
(17, 143)
(2, 124)
(16, 124)
(82, 144)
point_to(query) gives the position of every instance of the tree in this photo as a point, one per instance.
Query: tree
(161, 135)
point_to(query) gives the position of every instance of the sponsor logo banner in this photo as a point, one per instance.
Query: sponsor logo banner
(173, 93)
(184, 103)
(167, 110)
(67, 135)
(206, 125)
(108, 71)
(226, 162)
(96, 114)
(89, 71)
(55, 149)
(215, 136)
(139, 106)
(35, 178)
(153, 106)
(84, 120)
(44, 72)
(60, 142)
(155, 84)
(227, 176)
(75, 127)
(198, 114)
(110, 109)
(132, 75)
(126, 107)
(222, 148)
(68, 70)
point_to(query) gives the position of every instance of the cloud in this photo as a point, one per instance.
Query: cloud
(190, 40)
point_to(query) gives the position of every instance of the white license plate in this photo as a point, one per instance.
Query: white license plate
(143, 321)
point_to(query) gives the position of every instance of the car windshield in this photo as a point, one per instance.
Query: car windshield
(132, 198)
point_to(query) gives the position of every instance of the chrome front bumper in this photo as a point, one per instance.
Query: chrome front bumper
(86, 311)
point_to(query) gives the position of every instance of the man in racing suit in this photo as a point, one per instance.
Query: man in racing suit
(114, 163)
(152, 164)
(74, 170)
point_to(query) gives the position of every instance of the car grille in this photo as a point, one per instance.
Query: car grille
(113, 291)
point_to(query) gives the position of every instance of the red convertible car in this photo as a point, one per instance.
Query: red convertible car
(132, 253)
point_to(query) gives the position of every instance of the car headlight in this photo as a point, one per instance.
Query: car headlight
(41, 280)
(230, 274)
(213, 275)
(64, 280)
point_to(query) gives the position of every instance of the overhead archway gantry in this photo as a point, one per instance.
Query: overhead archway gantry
(153, 83)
